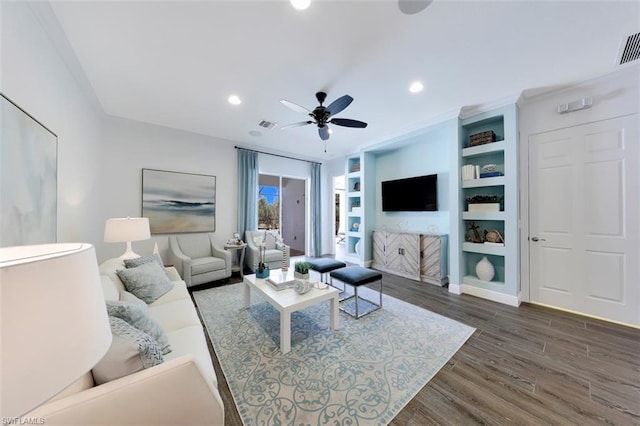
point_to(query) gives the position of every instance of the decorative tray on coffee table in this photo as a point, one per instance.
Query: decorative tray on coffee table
(282, 280)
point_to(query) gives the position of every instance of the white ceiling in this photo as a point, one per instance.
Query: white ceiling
(174, 63)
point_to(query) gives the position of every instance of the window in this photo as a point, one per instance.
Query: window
(268, 202)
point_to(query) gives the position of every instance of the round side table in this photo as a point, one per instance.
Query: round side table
(237, 257)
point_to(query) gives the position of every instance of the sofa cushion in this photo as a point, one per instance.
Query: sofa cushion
(195, 246)
(109, 288)
(204, 265)
(270, 241)
(191, 341)
(178, 292)
(272, 256)
(148, 281)
(131, 350)
(109, 268)
(175, 315)
(138, 317)
(132, 263)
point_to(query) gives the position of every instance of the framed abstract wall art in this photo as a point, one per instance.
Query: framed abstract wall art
(28, 178)
(178, 202)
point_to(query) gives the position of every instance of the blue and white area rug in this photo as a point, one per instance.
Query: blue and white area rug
(362, 374)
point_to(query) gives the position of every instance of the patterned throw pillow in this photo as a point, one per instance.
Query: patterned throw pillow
(147, 281)
(132, 263)
(131, 350)
(138, 317)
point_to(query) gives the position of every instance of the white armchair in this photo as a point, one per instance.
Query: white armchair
(275, 249)
(198, 259)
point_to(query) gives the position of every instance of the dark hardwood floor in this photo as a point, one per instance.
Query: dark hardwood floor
(526, 365)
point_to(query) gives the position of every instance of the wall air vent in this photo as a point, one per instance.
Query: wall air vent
(629, 49)
(267, 124)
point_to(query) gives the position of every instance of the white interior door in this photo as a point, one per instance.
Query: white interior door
(584, 230)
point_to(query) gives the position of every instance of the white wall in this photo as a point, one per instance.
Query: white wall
(131, 146)
(37, 78)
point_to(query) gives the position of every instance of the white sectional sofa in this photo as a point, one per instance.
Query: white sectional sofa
(182, 390)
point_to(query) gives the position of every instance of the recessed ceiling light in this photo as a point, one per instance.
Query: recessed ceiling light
(234, 100)
(300, 4)
(416, 87)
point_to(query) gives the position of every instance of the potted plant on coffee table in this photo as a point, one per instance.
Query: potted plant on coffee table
(301, 270)
(301, 275)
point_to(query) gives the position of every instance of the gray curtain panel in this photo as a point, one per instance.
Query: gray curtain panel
(247, 191)
(316, 228)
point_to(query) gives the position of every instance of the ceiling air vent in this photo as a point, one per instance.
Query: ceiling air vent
(267, 124)
(629, 49)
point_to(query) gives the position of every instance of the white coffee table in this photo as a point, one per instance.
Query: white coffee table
(287, 301)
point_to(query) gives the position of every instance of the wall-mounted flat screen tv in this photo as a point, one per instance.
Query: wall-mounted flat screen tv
(415, 194)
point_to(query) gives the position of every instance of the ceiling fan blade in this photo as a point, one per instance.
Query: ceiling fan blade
(298, 124)
(346, 122)
(324, 132)
(411, 7)
(339, 104)
(294, 107)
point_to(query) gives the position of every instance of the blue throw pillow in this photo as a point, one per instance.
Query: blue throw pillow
(147, 281)
(133, 263)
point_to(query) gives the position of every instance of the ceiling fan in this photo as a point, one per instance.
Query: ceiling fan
(321, 115)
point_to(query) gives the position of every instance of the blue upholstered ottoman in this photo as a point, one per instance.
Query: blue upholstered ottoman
(356, 276)
(323, 265)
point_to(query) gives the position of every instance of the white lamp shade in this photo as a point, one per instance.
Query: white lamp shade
(122, 230)
(54, 322)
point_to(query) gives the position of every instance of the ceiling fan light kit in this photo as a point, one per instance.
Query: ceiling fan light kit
(321, 115)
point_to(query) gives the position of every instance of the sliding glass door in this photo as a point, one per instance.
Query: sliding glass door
(282, 206)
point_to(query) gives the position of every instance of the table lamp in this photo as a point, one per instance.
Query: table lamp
(127, 229)
(54, 322)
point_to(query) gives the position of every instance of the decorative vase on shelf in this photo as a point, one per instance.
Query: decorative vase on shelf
(356, 247)
(485, 270)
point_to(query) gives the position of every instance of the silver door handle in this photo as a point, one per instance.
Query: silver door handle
(536, 239)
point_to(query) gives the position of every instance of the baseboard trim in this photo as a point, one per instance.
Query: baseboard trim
(494, 296)
(625, 324)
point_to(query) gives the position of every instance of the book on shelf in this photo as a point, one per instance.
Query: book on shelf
(490, 174)
(484, 207)
(493, 244)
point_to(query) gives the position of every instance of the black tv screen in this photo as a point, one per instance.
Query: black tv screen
(416, 194)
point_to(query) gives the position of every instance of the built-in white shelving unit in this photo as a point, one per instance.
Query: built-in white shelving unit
(503, 155)
(360, 182)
